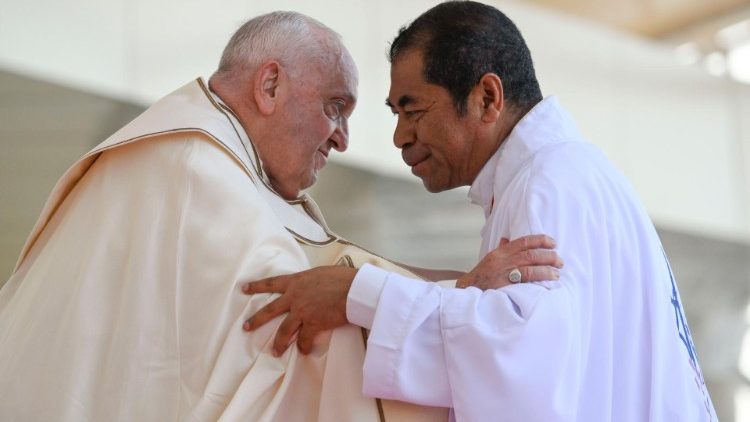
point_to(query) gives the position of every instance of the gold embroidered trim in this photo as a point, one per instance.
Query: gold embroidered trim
(297, 201)
(258, 167)
(345, 261)
(218, 107)
(303, 239)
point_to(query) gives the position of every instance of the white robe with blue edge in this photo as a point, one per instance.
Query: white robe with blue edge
(608, 342)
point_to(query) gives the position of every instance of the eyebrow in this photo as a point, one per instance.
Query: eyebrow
(404, 100)
(348, 98)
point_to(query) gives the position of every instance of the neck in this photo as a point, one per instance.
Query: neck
(512, 115)
(234, 94)
(226, 89)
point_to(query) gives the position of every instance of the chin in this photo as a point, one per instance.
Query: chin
(286, 192)
(289, 195)
(307, 183)
(433, 188)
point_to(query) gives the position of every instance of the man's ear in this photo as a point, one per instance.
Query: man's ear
(490, 89)
(266, 87)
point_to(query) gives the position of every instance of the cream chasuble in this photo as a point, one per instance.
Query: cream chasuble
(125, 304)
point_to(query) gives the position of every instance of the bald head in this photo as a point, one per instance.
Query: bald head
(293, 39)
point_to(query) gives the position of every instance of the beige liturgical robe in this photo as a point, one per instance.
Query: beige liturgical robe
(125, 304)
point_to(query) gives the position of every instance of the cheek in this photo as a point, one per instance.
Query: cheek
(447, 154)
(314, 129)
(436, 137)
(311, 129)
(324, 128)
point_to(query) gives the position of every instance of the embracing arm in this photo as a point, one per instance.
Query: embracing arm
(533, 256)
(432, 274)
(316, 299)
(450, 347)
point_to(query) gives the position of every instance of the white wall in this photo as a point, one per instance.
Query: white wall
(675, 131)
(681, 136)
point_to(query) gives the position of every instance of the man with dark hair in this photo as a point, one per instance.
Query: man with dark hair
(609, 341)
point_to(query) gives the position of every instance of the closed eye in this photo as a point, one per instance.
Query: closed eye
(334, 109)
(414, 114)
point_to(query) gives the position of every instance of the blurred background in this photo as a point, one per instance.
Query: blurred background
(662, 86)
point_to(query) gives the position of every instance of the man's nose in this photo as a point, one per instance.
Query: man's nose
(403, 135)
(340, 138)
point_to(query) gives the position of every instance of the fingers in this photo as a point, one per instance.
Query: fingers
(534, 241)
(528, 274)
(284, 335)
(313, 298)
(279, 306)
(539, 257)
(305, 339)
(538, 273)
(269, 285)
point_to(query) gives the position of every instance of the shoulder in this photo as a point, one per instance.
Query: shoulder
(574, 168)
(572, 177)
(568, 160)
(177, 159)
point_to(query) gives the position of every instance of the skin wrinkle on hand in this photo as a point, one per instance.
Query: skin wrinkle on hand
(314, 300)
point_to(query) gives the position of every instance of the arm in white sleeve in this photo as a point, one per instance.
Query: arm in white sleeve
(364, 294)
(441, 347)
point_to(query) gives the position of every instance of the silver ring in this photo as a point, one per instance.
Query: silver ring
(514, 276)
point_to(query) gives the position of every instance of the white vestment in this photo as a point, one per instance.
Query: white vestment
(125, 303)
(608, 342)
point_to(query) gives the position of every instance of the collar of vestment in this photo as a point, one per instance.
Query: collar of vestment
(480, 192)
(547, 123)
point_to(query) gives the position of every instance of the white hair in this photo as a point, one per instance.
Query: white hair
(283, 36)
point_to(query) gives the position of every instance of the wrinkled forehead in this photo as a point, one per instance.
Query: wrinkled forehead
(338, 73)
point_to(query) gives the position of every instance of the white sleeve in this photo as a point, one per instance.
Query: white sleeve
(364, 294)
(449, 347)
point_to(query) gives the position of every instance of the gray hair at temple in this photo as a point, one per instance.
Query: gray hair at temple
(284, 36)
